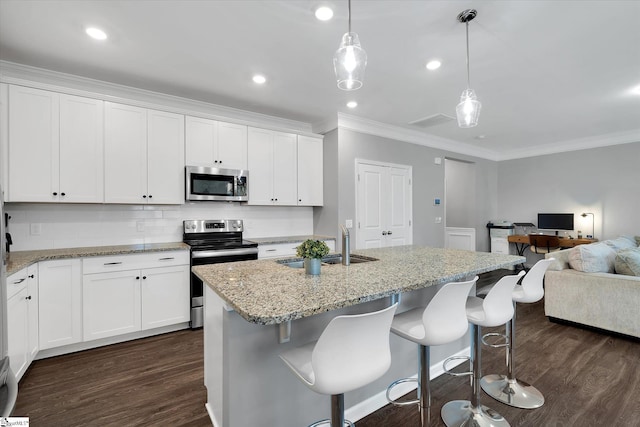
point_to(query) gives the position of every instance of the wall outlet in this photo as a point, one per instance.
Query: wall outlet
(436, 202)
(437, 160)
(35, 229)
(348, 223)
(438, 219)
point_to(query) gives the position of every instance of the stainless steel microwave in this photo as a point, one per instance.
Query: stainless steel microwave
(203, 183)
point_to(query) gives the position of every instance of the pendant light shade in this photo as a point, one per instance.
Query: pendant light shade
(350, 60)
(468, 110)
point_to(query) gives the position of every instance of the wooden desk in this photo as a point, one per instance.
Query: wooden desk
(522, 242)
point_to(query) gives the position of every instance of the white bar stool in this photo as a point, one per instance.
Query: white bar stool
(507, 389)
(494, 310)
(442, 321)
(352, 351)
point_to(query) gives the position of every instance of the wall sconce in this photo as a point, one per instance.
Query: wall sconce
(593, 229)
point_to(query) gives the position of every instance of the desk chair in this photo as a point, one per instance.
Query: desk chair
(543, 244)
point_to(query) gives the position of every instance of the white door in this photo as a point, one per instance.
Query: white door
(81, 150)
(285, 169)
(33, 145)
(260, 163)
(384, 205)
(125, 154)
(310, 185)
(200, 142)
(18, 332)
(165, 158)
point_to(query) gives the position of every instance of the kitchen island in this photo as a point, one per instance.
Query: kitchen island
(254, 310)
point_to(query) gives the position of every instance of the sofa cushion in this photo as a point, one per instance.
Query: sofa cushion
(593, 258)
(627, 262)
(622, 242)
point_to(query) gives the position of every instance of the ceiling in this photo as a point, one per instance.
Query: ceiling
(549, 74)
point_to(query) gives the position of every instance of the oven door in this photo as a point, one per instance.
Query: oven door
(212, 257)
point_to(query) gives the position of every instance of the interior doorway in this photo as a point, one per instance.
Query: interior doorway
(384, 212)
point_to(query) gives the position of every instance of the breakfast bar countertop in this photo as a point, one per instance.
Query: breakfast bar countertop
(266, 292)
(18, 260)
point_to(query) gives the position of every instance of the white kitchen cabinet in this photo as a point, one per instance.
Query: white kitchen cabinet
(282, 250)
(272, 163)
(129, 293)
(215, 144)
(55, 147)
(165, 296)
(111, 304)
(310, 175)
(32, 287)
(60, 302)
(144, 155)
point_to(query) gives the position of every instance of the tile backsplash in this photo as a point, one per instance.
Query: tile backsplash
(51, 226)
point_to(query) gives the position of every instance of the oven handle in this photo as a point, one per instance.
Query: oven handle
(221, 253)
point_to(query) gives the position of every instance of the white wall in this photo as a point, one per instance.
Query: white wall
(75, 225)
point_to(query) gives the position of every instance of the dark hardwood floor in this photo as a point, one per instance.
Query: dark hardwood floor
(588, 378)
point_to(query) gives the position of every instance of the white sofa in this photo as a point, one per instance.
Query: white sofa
(603, 300)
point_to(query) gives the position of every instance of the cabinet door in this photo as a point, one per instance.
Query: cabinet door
(32, 307)
(111, 304)
(232, 146)
(18, 332)
(260, 165)
(165, 158)
(200, 142)
(81, 150)
(310, 185)
(60, 302)
(33, 145)
(285, 169)
(165, 296)
(125, 161)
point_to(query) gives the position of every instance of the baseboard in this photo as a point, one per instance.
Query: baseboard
(212, 416)
(379, 400)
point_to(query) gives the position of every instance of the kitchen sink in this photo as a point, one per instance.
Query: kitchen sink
(328, 260)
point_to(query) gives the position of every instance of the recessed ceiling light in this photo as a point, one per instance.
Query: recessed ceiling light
(433, 65)
(259, 79)
(352, 104)
(96, 33)
(324, 13)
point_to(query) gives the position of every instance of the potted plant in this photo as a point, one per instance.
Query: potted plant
(312, 251)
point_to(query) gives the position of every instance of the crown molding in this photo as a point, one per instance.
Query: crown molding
(40, 78)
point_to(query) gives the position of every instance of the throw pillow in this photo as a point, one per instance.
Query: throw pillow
(593, 258)
(622, 242)
(628, 262)
(637, 240)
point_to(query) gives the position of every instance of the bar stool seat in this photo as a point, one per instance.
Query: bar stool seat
(442, 321)
(507, 388)
(494, 310)
(352, 351)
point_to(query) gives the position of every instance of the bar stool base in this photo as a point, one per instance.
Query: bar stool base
(459, 413)
(512, 392)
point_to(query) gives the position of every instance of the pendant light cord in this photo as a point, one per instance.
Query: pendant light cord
(349, 16)
(468, 72)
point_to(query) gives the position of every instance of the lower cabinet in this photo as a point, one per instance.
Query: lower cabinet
(60, 305)
(22, 319)
(281, 250)
(119, 298)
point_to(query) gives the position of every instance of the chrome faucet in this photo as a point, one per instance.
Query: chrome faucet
(346, 250)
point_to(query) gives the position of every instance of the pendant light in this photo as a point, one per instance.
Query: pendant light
(468, 110)
(350, 60)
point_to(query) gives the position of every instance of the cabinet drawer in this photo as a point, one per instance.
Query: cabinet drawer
(134, 261)
(277, 250)
(16, 282)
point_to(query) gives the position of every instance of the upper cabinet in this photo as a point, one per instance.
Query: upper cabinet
(55, 147)
(310, 185)
(215, 144)
(272, 163)
(144, 155)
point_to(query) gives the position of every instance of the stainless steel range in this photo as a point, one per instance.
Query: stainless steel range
(212, 242)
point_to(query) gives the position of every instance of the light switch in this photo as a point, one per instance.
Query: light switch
(437, 160)
(348, 223)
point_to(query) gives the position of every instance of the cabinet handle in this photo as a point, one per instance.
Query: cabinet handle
(113, 263)
(215, 161)
(62, 194)
(384, 233)
(150, 196)
(144, 277)
(166, 258)
(389, 233)
(144, 196)
(137, 277)
(271, 250)
(19, 281)
(29, 297)
(31, 277)
(55, 193)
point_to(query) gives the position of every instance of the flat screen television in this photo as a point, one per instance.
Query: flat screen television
(555, 221)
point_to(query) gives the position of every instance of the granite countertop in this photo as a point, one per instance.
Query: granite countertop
(288, 239)
(266, 292)
(18, 260)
